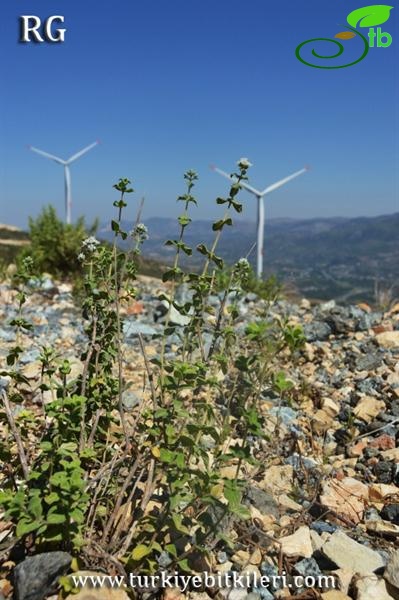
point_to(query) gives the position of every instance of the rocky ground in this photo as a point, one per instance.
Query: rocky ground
(326, 501)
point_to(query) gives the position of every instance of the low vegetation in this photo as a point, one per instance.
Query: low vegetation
(149, 491)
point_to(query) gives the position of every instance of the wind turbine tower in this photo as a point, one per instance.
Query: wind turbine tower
(67, 173)
(261, 209)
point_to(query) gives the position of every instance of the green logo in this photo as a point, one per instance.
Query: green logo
(367, 17)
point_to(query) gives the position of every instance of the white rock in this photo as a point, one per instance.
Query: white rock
(350, 555)
(388, 339)
(237, 594)
(346, 497)
(344, 577)
(379, 491)
(316, 539)
(368, 408)
(104, 593)
(278, 479)
(335, 595)
(330, 407)
(392, 571)
(371, 588)
(383, 528)
(297, 544)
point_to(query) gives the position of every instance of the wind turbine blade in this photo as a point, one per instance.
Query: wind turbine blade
(278, 184)
(81, 152)
(47, 155)
(243, 184)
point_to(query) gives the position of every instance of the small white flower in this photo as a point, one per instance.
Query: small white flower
(90, 244)
(242, 267)
(140, 232)
(81, 257)
(244, 163)
(243, 263)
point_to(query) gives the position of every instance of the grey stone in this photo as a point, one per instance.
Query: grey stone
(369, 362)
(390, 512)
(164, 560)
(384, 471)
(37, 576)
(327, 306)
(237, 594)
(47, 285)
(298, 462)
(207, 442)
(261, 592)
(349, 554)
(317, 331)
(272, 572)
(29, 356)
(251, 297)
(371, 514)
(7, 335)
(284, 413)
(4, 383)
(323, 527)
(262, 500)
(130, 399)
(132, 328)
(183, 294)
(307, 566)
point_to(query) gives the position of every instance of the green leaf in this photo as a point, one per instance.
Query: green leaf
(25, 526)
(35, 506)
(203, 249)
(220, 224)
(140, 551)
(369, 16)
(241, 511)
(115, 226)
(184, 566)
(177, 522)
(218, 261)
(167, 456)
(55, 519)
(171, 548)
(67, 447)
(232, 495)
(77, 515)
(51, 498)
(88, 453)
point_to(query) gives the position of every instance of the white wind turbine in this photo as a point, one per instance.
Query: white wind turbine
(67, 173)
(261, 210)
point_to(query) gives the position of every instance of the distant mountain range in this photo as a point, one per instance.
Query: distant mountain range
(341, 258)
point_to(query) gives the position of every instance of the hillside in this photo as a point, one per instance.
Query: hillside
(11, 240)
(336, 258)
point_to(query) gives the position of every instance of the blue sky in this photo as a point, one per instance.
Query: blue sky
(179, 84)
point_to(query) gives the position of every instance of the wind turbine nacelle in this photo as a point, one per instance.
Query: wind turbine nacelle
(32, 29)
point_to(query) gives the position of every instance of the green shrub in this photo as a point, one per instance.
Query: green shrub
(55, 245)
(269, 289)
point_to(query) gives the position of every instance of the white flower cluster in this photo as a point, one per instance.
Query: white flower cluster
(140, 232)
(242, 268)
(242, 264)
(89, 246)
(244, 163)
